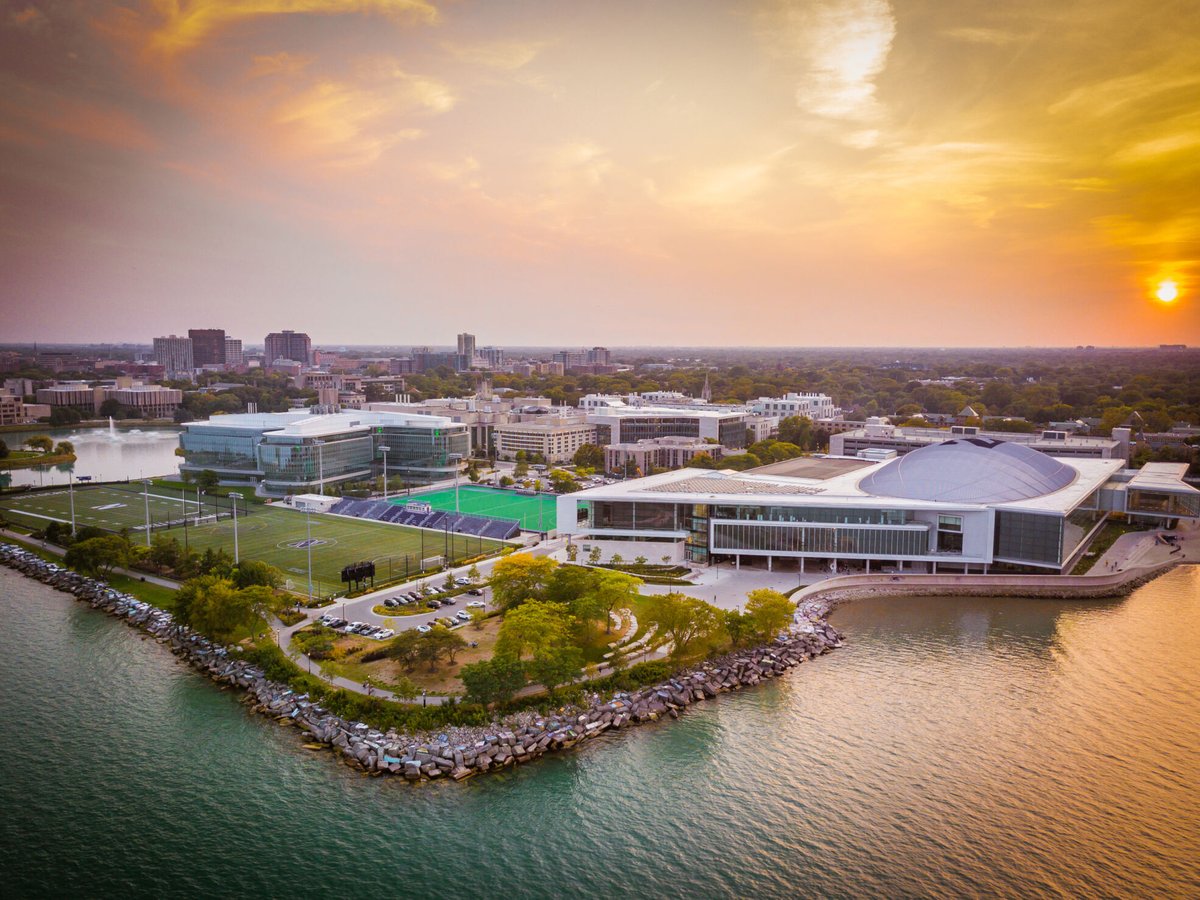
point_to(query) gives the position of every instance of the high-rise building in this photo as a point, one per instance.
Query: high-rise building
(599, 356)
(294, 345)
(571, 359)
(208, 346)
(174, 353)
(466, 352)
(233, 352)
(492, 356)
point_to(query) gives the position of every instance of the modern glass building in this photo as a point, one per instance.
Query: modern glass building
(299, 452)
(960, 506)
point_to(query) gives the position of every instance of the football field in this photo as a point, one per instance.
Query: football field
(276, 535)
(535, 513)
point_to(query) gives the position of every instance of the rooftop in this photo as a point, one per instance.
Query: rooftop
(815, 467)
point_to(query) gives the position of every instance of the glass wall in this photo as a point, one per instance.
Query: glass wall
(212, 448)
(1163, 503)
(641, 516)
(730, 537)
(832, 514)
(1029, 537)
(309, 462)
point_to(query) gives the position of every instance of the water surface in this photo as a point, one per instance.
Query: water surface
(952, 748)
(123, 453)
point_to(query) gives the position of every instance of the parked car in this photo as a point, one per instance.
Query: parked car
(385, 633)
(475, 604)
(391, 602)
(447, 621)
(424, 629)
(463, 616)
(460, 580)
(448, 601)
(433, 604)
(475, 592)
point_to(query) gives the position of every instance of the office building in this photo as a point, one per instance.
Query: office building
(466, 352)
(554, 438)
(298, 452)
(149, 401)
(627, 424)
(287, 345)
(174, 354)
(815, 406)
(599, 356)
(208, 346)
(234, 357)
(962, 505)
(644, 457)
(492, 357)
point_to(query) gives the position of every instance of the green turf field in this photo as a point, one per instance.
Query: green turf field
(535, 513)
(273, 534)
(111, 508)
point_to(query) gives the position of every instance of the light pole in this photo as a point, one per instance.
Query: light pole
(71, 491)
(455, 458)
(384, 449)
(320, 445)
(146, 497)
(308, 544)
(233, 499)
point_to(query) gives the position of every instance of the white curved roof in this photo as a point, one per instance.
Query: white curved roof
(970, 470)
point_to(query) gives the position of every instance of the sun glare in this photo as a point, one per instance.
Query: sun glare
(1167, 291)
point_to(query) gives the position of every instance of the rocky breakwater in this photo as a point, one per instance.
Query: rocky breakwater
(456, 753)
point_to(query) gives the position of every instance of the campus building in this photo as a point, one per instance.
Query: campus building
(150, 401)
(301, 452)
(657, 453)
(555, 438)
(815, 406)
(878, 434)
(957, 506)
(627, 424)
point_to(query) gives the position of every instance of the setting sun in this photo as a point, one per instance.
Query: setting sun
(1167, 291)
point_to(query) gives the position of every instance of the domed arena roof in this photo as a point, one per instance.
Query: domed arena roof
(970, 470)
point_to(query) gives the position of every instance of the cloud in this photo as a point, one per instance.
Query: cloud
(838, 48)
(186, 24)
(508, 55)
(281, 63)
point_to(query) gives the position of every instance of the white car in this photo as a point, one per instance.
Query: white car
(424, 629)
(463, 616)
(476, 604)
(384, 634)
(461, 580)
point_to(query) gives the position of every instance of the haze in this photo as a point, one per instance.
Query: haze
(834, 172)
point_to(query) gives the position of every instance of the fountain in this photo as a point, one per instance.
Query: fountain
(112, 429)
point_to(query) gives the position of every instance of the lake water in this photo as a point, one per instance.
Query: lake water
(952, 748)
(128, 453)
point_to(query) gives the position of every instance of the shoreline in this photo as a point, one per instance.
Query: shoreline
(9, 464)
(456, 752)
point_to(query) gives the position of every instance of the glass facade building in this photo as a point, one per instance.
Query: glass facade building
(298, 453)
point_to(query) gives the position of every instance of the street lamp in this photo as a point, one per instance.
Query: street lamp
(234, 497)
(71, 491)
(384, 449)
(146, 497)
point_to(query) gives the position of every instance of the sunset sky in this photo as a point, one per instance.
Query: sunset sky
(818, 172)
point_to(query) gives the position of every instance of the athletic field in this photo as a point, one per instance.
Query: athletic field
(273, 534)
(536, 513)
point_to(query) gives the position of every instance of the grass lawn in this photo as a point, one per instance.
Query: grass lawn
(273, 534)
(154, 594)
(536, 513)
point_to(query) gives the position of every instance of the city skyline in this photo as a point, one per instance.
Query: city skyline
(843, 172)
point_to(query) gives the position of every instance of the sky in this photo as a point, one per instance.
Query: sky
(782, 172)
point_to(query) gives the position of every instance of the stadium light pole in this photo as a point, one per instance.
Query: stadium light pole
(320, 445)
(308, 544)
(146, 497)
(385, 450)
(455, 458)
(233, 499)
(71, 492)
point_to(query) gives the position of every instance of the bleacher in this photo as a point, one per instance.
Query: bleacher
(439, 520)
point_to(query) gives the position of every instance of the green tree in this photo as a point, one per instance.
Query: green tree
(640, 560)
(478, 618)
(99, 555)
(532, 628)
(215, 562)
(207, 480)
(473, 572)
(594, 556)
(40, 442)
(520, 577)
(4, 451)
(64, 448)
(572, 552)
(688, 622)
(505, 481)
(797, 430)
(739, 627)
(612, 591)
(493, 680)
(769, 612)
(165, 553)
(616, 559)
(563, 482)
(556, 666)
(65, 415)
(404, 648)
(110, 408)
(250, 572)
(213, 606)
(589, 456)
